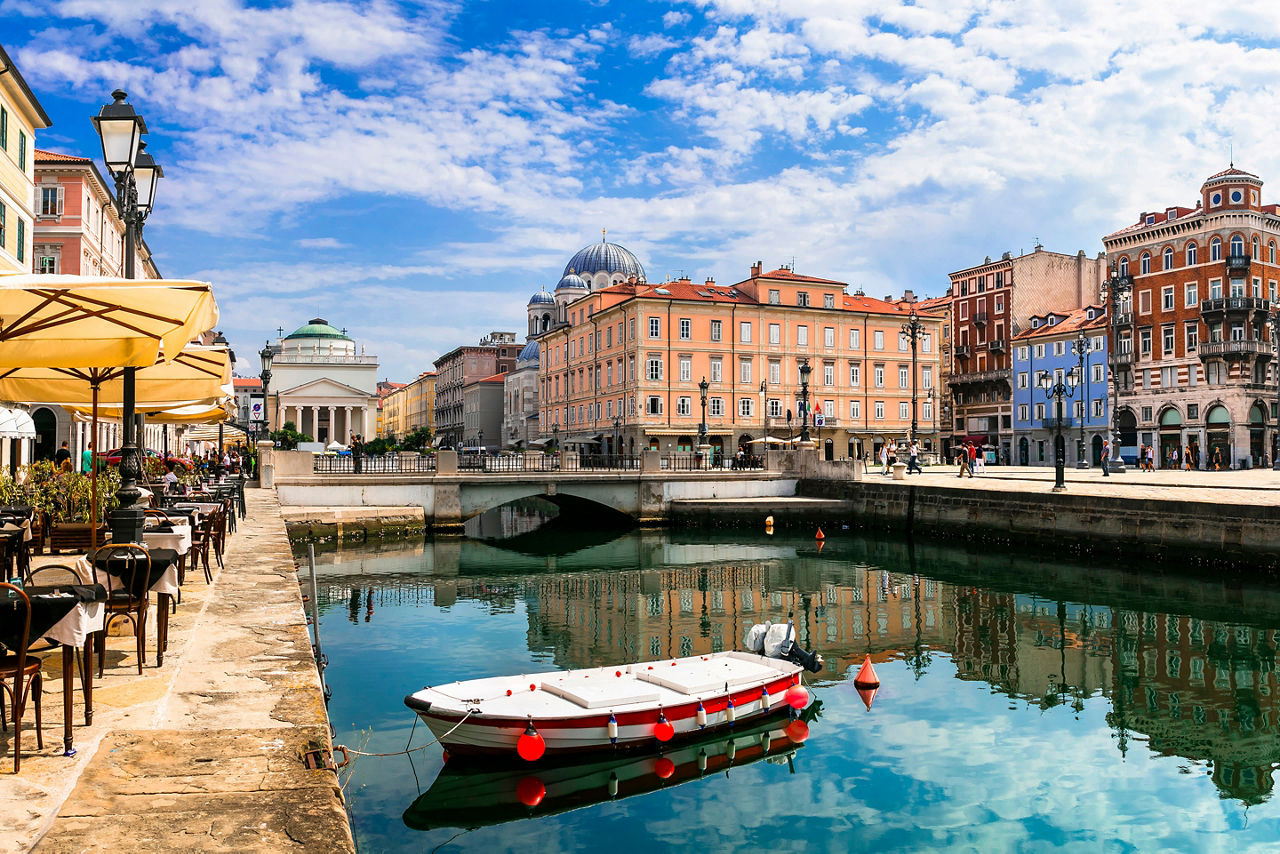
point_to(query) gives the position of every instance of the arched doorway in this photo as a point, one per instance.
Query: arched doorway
(1170, 437)
(46, 433)
(1024, 452)
(1127, 428)
(1218, 422)
(684, 444)
(1257, 433)
(1097, 450)
(717, 450)
(828, 449)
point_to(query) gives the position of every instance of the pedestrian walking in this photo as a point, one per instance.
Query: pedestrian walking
(978, 458)
(1186, 458)
(1106, 457)
(962, 460)
(357, 452)
(913, 458)
(884, 459)
(1217, 459)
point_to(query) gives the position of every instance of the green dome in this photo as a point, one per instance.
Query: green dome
(317, 327)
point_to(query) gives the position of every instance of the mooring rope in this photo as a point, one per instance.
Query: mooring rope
(408, 749)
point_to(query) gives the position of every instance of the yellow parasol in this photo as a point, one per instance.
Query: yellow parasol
(197, 374)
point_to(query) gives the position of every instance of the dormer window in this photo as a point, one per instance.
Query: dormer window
(1088, 314)
(1035, 323)
(1171, 213)
(1052, 320)
(1151, 219)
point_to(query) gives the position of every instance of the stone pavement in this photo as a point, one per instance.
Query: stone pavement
(1253, 486)
(204, 753)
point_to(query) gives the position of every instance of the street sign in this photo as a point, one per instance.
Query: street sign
(819, 420)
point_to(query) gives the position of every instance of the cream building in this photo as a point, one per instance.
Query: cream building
(20, 117)
(323, 385)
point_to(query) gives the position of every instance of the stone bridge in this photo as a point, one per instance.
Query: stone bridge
(448, 497)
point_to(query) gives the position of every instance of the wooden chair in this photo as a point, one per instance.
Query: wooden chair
(202, 537)
(128, 598)
(20, 674)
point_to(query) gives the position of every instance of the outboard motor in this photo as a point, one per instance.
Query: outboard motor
(777, 641)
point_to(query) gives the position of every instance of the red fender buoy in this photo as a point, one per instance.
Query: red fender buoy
(820, 535)
(664, 767)
(663, 730)
(867, 677)
(530, 791)
(530, 745)
(797, 731)
(797, 697)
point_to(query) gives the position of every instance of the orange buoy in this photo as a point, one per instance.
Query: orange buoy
(820, 535)
(664, 767)
(530, 791)
(663, 730)
(797, 731)
(530, 745)
(821, 543)
(797, 697)
(868, 695)
(867, 677)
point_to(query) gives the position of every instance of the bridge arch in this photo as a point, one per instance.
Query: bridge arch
(609, 498)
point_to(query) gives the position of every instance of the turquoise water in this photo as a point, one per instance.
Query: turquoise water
(1026, 705)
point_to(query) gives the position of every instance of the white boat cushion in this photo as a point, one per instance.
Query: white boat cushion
(599, 690)
(697, 677)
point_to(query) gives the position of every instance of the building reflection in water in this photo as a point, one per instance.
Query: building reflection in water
(1200, 689)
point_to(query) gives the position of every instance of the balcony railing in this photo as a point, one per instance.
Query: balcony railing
(1230, 304)
(1238, 262)
(322, 359)
(1122, 318)
(981, 318)
(973, 377)
(1052, 423)
(1124, 357)
(1234, 349)
(997, 345)
(963, 351)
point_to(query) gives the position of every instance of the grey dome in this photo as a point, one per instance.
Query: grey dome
(573, 281)
(605, 257)
(541, 298)
(529, 353)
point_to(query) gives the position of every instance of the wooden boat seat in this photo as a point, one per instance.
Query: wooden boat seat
(599, 690)
(706, 676)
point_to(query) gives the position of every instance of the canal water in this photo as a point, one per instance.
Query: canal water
(1026, 704)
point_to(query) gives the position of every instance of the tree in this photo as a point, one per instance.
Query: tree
(417, 440)
(288, 437)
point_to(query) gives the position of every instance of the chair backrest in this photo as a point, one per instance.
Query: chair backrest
(12, 596)
(135, 570)
(53, 575)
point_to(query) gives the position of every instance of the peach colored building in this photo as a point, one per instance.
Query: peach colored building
(77, 229)
(626, 360)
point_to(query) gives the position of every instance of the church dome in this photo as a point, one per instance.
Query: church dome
(572, 281)
(317, 327)
(529, 353)
(608, 258)
(542, 298)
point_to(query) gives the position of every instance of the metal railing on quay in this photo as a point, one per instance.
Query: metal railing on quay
(388, 464)
(591, 462)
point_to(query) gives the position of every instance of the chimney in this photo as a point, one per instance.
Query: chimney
(710, 281)
(908, 295)
(757, 268)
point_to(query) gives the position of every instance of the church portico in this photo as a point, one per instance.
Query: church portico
(323, 385)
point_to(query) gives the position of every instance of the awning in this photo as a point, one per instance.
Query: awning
(16, 424)
(209, 433)
(539, 442)
(580, 438)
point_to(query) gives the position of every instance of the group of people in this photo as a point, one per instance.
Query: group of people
(1186, 458)
(970, 459)
(888, 458)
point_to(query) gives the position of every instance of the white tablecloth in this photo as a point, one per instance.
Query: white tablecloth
(203, 507)
(167, 583)
(179, 539)
(25, 527)
(85, 619)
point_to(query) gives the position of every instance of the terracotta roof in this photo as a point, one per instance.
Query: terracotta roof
(496, 378)
(1157, 218)
(683, 289)
(55, 157)
(1074, 321)
(1231, 171)
(934, 303)
(790, 275)
(246, 382)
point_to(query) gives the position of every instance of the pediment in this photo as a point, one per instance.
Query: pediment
(325, 387)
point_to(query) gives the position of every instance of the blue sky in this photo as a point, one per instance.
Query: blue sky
(413, 171)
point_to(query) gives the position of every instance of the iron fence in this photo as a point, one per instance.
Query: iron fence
(387, 464)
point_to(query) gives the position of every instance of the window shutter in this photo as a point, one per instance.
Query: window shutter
(62, 194)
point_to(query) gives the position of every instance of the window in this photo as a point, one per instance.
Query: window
(1237, 330)
(926, 343)
(686, 329)
(1192, 296)
(1144, 341)
(926, 410)
(48, 264)
(855, 409)
(1168, 258)
(2, 221)
(1144, 302)
(1040, 413)
(904, 343)
(964, 311)
(775, 372)
(746, 407)
(744, 332)
(802, 336)
(828, 300)
(715, 330)
(1096, 374)
(653, 405)
(4, 128)
(608, 374)
(1215, 288)
(879, 410)
(904, 376)
(802, 299)
(828, 336)
(926, 378)
(1023, 411)
(1166, 340)
(775, 297)
(775, 333)
(999, 304)
(1146, 413)
(51, 201)
(686, 369)
(1144, 263)
(879, 339)
(1166, 298)
(1193, 411)
(1022, 379)
(1256, 293)
(1022, 354)
(22, 234)
(1124, 266)
(715, 406)
(904, 410)
(22, 153)
(744, 371)
(1039, 351)
(1237, 287)
(1237, 244)
(655, 327)
(775, 407)
(829, 373)
(717, 369)
(855, 375)
(1098, 405)
(855, 339)
(1059, 348)
(653, 368)
(1271, 252)
(879, 376)
(1215, 249)
(1191, 254)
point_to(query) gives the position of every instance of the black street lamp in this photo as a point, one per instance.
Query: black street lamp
(1116, 286)
(913, 329)
(1059, 390)
(617, 436)
(805, 370)
(136, 175)
(266, 354)
(555, 436)
(1082, 347)
(702, 427)
(480, 442)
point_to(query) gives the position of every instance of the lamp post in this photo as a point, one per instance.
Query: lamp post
(1116, 286)
(1059, 390)
(136, 175)
(1082, 347)
(480, 443)
(805, 370)
(266, 354)
(702, 426)
(913, 329)
(617, 436)
(946, 415)
(933, 413)
(220, 340)
(555, 436)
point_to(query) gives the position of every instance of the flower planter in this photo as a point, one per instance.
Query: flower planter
(73, 536)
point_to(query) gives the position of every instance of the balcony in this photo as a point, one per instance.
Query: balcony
(980, 318)
(979, 377)
(996, 346)
(963, 351)
(1124, 358)
(1052, 423)
(1233, 305)
(1230, 350)
(1238, 263)
(1122, 318)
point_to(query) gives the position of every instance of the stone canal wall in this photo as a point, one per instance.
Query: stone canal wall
(1083, 522)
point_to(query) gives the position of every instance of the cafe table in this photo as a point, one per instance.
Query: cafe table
(69, 615)
(162, 580)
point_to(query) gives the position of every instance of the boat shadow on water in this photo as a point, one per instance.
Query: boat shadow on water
(475, 792)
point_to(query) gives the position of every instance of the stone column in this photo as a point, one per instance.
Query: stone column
(333, 427)
(347, 427)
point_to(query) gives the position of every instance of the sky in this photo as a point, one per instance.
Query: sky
(415, 171)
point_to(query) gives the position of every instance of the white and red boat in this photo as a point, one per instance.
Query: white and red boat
(632, 706)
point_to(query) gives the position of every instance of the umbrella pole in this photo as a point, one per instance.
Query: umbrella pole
(93, 474)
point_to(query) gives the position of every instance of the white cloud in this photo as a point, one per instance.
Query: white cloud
(322, 243)
(675, 19)
(652, 44)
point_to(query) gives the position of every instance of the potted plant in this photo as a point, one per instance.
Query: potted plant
(65, 499)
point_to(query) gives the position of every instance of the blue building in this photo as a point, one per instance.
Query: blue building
(1060, 342)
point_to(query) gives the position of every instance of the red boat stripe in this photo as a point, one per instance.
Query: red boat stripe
(674, 714)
